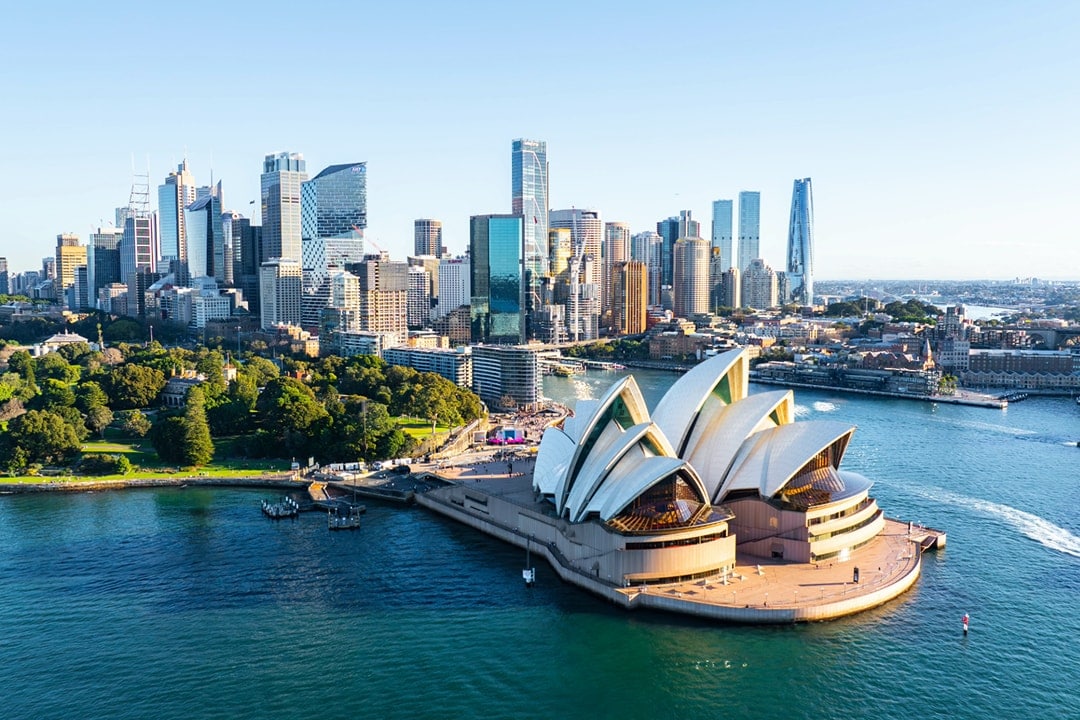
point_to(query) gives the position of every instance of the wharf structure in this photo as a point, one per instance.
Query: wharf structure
(716, 504)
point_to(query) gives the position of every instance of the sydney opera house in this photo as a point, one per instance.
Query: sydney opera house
(712, 479)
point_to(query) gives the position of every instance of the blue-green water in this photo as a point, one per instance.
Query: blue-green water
(188, 603)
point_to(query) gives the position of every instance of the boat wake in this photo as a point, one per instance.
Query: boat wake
(820, 406)
(1030, 525)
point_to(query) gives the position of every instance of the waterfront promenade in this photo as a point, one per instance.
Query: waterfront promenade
(759, 590)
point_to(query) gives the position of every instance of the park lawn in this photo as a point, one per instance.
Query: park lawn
(146, 465)
(420, 429)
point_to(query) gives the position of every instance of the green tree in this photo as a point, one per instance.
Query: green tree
(43, 437)
(22, 363)
(98, 418)
(135, 423)
(198, 447)
(73, 352)
(53, 365)
(89, 394)
(124, 330)
(289, 411)
(166, 436)
(134, 386)
(260, 370)
(55, 394)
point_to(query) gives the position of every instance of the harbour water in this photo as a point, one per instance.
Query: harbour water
(190, 603)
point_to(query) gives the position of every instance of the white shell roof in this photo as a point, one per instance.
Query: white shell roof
(627, 484)
(769, 459)
(595, 465)
(625, 389)
(677, 410)
(598, 467)
(717, 437)
(552, 458)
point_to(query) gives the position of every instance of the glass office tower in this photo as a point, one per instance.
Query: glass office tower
(529, 199)
(334, 202)
(498, 309)
(280, 181)
(800, 248)
(749, 228)
(722, 225)
(174, 195)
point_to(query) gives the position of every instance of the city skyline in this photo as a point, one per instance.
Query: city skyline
(953, 115)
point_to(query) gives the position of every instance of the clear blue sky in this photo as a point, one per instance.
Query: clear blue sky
(941, 137)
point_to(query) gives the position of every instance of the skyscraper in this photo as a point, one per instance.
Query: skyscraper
(616, 250)
(749, 228)
(5, 285)
(177, 192)
(427, 237)
(498, 287)
(721, 231)
(529, 199)
(279, 292)
(630, 297)
(334, 202)
(281, 179)
(384, 296)
(690, 287)
(69, 255)
(800, 248)
(672, 229)
(760, 286)
(205, 237)
(102, 260)
(454, 286)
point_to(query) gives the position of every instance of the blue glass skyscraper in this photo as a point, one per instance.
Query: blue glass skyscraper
(334, 202)
(498, 309)
(722, 225)
(800, 246)
(529, 199)
(749, 228)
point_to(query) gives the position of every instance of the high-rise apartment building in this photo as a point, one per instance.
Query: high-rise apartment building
(384, 293)
(722, 226)
(281, 180)
(5, 284)
(760, 286)
(749, 228)
(631, 298)
(279, 292)
(427, 237)
(800, 248)
(690, 286)
(419, 297)
(529, 199)
(616, 250)
(174, 195)
(647, 247)
(731, 288)
(498, 306)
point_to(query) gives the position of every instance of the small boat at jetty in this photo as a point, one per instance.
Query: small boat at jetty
(340, 521)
